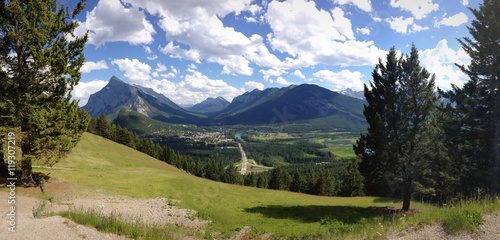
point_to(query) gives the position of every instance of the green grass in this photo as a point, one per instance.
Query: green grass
(100, 166)
(115, 223)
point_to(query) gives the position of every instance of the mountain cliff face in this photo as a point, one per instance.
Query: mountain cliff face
(209, 105)
(117, 95)
(301, 103)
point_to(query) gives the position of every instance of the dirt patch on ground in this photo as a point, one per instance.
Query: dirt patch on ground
(490, 230)
(148, 211)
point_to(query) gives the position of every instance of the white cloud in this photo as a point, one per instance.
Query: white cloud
(250, 85)
(134, 69)
(404, 25)
(160, 67)
(465, 2)
(111, 21)
(364, 5)
(364, 31)
(314, 36)
(272, 72)
(420, 9)
(195, 32)
(299, 74)
(454, 21)
(91, 66)
(83, 90)
(282, 81)
(194, 88)
(441, 60)
(341, 80)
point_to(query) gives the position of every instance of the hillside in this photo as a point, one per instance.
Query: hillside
(100, 166)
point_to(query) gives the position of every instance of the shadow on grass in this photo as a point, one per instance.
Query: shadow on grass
(387, 200)
(314, 213)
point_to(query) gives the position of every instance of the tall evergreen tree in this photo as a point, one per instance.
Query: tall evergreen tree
(40, 67)
(398, 149)
(473, 113)
(352, 181)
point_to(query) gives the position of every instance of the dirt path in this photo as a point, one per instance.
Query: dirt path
(148, 211)
(244, 160)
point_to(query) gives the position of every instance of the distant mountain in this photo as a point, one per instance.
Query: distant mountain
(355, 94)
(209, 105)
(291, 104)
(303, 105)
(117, 95)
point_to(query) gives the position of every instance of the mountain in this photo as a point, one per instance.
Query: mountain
(118, 95)
(355, 94)
(292, 104)
(210, 105)
(306, 106)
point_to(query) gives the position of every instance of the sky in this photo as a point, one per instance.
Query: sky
(193, 49)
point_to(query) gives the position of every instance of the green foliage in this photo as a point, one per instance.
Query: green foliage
(400, 142)
(279, 180)
(462, 220)
(352, 181)
(472, 116)
(40, 67)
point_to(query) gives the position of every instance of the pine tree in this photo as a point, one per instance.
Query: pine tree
(474, 111)
(299, 183)
(399, 149)
(352, 181)
(40, 67)
(279, 180)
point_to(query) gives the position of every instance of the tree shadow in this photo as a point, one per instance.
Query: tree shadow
(315, 213)
(387, 200)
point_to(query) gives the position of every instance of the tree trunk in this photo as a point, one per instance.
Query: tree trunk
(27, 173)
(407, 192)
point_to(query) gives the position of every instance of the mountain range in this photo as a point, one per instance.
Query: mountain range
(300, 104)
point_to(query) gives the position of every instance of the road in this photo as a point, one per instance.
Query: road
(244, 160)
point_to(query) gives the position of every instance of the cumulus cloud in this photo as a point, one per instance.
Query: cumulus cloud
(465, 2)
(133, 69)
(419, 9)
(364, 31)
(454, 21)
(91, 66)
(194, 88)
(299, 74)
(195, 32)
(250, 85)
(364, 5)
(272, 72)
(282, 81)
(111, 21)
(315, 36)
(83, 90)
(341, 80)
(441, 60)
(404, 25)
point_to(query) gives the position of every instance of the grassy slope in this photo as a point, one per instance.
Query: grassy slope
(110, 168)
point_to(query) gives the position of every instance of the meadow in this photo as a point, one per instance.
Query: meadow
(98, 166)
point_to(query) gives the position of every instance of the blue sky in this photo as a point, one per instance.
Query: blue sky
(193, 49)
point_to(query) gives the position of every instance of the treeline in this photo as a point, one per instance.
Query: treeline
(419, 145)
(323, 179)
(297, 152)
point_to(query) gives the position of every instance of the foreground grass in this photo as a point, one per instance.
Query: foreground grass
(100, 166)
(116, 224)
